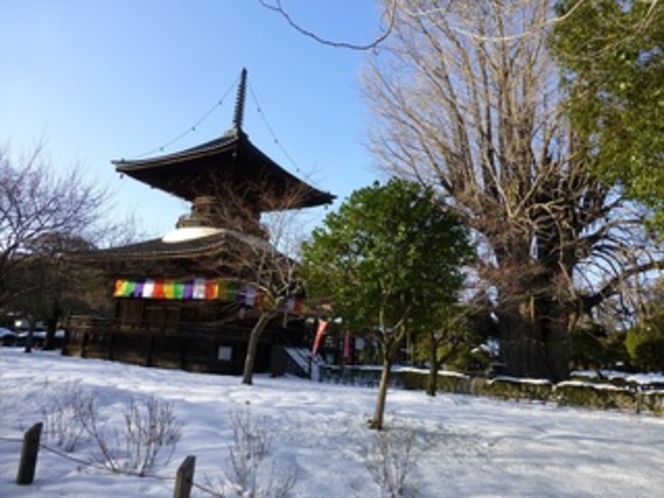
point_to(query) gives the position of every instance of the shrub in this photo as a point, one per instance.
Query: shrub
(652, 402)
(390, 461)
(451, 383)
(649, 355)
(508, 388)
(246, 475)
(147, 431)
(645, 346)
(604, 397)
(593, 348)
(67, 416)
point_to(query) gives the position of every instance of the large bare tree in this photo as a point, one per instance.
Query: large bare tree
(467, 98)
(45, 212)
(37, 201)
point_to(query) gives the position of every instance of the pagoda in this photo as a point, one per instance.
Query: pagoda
(181, 300)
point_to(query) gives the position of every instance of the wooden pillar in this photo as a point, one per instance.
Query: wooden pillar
(84, 343)
(184, 479)
(150, 350)
(110, 344)
(184, 347)
(28, 463)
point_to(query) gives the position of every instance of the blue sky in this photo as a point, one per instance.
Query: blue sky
(111, 79)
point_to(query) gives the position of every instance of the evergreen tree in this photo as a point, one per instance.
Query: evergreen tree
(612, 52)
(387, 261)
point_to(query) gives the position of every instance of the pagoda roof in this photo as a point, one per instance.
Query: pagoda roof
(230, 163)
(162, 248)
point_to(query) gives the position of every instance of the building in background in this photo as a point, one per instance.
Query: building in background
(187, 300)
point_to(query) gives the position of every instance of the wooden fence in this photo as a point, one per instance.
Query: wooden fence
(27, 468)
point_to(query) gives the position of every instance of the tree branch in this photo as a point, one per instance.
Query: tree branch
(390, 14)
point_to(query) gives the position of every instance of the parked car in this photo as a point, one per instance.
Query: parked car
(38, 338)
(7, 337)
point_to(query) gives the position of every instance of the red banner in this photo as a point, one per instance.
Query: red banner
(320, 334)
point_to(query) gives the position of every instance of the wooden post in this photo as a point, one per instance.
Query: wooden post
(84, 343)
(184, 351)
(26, 468)
(150, 351)
(185, 478)
(110, 343)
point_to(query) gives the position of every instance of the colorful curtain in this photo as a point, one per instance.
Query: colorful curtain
(197, 288)
(200, 289)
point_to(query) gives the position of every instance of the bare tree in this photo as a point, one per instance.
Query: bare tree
(38, 206)
(415, 9)
(467, 98)
(388, 15)
(261, 252)
(274, 275)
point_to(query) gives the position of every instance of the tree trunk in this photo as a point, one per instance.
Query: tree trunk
(554, 331)
(534, 344)
(379, 412)
(29, 341)
(520, 347)
(252, 347)
(51, 325)
(432, 381)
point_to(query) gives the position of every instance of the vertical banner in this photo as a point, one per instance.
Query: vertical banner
(211, 289)
(148, 288)
(122, 288)
(169, 289)
(199, 288)
(138, 290)
(348, 346)
(250, 297)
(294, 305)
(232, 289)
(222, 290)
(158, 290)
(320, 334)
(178, 290)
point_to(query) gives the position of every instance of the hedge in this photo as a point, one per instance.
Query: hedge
(605, 395)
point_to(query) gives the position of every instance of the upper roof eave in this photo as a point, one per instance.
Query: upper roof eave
(233, 141)
(228, 141)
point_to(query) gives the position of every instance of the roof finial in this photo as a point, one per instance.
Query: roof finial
(239, 101)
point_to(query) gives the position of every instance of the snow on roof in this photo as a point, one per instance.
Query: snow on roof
(189, 233)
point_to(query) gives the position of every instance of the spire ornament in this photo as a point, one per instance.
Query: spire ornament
(238, 116)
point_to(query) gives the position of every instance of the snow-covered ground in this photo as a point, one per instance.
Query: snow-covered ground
(464, 446)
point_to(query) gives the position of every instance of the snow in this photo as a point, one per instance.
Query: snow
(6, 333)
(536, 382)
(578, 383)
(189, 233)
(643, 379)
(464, 446)
(41, 334)
(301, 356)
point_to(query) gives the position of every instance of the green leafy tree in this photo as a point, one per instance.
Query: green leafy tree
(446, 338)
(645, 341)
(613, 55)
(596, 347)
(387, 261)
